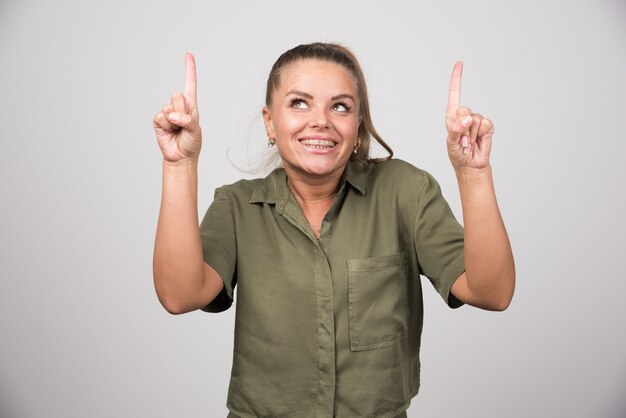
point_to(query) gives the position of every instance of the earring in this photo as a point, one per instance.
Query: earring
(271, 142)
(358, 144)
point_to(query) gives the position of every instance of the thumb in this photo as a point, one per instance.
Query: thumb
(458, 127)
(181, 120)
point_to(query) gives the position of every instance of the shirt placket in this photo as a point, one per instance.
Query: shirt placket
(325, 310)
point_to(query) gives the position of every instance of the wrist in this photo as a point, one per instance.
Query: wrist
(469, 174)
(181, 164)
(181, 168)
(475, 180)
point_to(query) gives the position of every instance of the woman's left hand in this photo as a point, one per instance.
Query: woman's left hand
(469, 134)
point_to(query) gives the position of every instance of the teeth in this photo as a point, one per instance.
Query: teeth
(318, 142)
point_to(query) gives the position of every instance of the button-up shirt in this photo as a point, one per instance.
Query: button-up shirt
(330, 327)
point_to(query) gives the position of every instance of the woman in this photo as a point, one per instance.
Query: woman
(328, 250)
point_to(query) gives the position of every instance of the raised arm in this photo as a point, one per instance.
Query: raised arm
(489, 278)
(182, 280)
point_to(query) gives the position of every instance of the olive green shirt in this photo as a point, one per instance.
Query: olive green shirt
(330, 327)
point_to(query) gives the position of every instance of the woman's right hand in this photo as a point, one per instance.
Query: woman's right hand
(177, 125)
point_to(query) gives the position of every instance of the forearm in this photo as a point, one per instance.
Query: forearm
(178, 263)
(489, 261)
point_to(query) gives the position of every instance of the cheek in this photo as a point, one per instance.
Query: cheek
(289, 125)
(349, 129)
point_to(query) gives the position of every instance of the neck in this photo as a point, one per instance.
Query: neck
(315, 195)
(313, 190)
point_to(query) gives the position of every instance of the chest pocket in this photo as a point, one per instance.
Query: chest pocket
(378, 300)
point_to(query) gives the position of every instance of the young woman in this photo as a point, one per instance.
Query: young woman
(327, 251)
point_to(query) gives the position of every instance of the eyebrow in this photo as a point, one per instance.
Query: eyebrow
(299, 93)
(308, 96)
(343, 96)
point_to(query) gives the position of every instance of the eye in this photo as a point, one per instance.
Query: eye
(341, 107)
(299, 104)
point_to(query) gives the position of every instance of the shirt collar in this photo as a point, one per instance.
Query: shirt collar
(274, 188)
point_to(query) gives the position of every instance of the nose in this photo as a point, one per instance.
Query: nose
(320, 120)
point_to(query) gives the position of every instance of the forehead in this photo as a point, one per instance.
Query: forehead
(311, 74)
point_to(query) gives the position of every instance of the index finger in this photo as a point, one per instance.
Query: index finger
(454, 92)
(190, 78)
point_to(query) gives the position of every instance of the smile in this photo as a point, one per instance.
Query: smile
(317, 143)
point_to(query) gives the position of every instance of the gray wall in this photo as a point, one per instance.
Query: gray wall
(82, 333)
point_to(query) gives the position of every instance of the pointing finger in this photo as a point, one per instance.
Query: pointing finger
(190, 79)
(454, 92)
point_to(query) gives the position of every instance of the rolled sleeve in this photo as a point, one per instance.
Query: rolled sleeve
(439, 242)
(217, 232)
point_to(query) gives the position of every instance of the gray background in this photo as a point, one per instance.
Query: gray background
(82, 333)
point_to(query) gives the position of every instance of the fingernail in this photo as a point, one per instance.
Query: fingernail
(466, 121)
(464, 141)
(173, 117)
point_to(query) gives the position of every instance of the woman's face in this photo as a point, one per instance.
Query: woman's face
(314, 118)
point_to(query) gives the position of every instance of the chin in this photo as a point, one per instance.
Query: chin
(321, 167)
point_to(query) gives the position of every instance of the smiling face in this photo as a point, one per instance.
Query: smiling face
(314, 117)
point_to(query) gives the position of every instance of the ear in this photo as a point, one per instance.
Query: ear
(267, 120)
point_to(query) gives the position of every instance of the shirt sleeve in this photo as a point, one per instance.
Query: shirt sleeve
(217, 232)
(439, 242)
